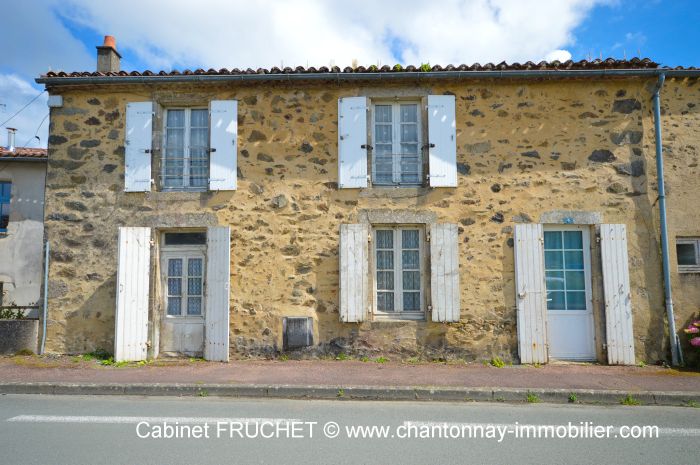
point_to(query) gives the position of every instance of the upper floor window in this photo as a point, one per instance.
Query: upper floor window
(5, 188)
(185, 163)
(688, 254)
(397, 155)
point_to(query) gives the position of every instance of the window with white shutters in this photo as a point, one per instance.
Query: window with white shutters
(185, 162)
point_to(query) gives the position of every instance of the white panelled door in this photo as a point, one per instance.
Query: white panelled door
(567, 267)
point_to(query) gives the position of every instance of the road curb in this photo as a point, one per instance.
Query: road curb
(381, 393)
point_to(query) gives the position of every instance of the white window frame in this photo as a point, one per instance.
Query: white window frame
(183, 252)
(185, 186)
(396, 141)
(695, 241)
(399, 313)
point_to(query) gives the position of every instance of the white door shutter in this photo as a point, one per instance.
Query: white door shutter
(530, 293)
(442, 141)
(217, 284)
(133, 278)
(137, 146)
(354, 271)
(352, 142)
(224, 145)
(618, 301)
(444, 272)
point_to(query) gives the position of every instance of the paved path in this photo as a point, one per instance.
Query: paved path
(335, 373)
(103, 430)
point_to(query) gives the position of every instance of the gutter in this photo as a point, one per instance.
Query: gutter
(376, 76)
(673, 337)
(33, 159)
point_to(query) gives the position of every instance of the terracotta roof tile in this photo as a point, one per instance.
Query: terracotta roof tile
(23, 152)
(610, 63)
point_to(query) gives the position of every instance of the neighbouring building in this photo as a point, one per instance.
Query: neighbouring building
(22, 178)
(458, 211)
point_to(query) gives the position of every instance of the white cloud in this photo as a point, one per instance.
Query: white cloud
(559, 55)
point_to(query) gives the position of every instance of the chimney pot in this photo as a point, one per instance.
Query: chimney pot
(11, 139)
(108, 59)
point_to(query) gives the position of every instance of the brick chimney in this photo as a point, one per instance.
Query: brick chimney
(107, 56)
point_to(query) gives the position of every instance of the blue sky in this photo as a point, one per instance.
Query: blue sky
(62, 35)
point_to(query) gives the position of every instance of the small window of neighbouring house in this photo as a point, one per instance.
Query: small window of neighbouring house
(185, 162)
(397, 145)
(399, 289)
(688, 255)
(5, 188)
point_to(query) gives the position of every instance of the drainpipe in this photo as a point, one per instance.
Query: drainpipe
(46, 298)
(673, 339)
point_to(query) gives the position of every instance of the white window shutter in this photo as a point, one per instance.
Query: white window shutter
(223, 163)
(444, 272)
(530, 293)
(618, 300)
(354, 272)
(138, 146)
(217, 284)
(352, 142)
(133, 278)
(442, 141)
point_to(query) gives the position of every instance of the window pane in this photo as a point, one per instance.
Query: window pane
(686, 254)
(194, 267)
(176, 118)
(576, 300)
(409, 133)
(553, 260)
(409, 259)
(194, 286)
(575, 281)
(194, 306)
(199, 118)
(552, 240)
(574, 260)
(411, 280)
(382, 134)
(409, 239)
(382, 113)
(409, 113)
(411, 301)
(175, 267)
(555, 300)
(385, 301)
(385, 260)
(174, 305)
(385, 239)
(174, 286)
(191, 238)
(385, 280)
(554, 280)
(573, 240)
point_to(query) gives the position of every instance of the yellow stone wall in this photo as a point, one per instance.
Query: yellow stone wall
(524, 149)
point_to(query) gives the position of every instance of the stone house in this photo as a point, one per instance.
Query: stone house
(471, 211)
(22, 176)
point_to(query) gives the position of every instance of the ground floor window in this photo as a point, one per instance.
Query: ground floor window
(688, 254)
(398, 254)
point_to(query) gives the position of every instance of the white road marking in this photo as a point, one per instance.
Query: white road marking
(135, 420)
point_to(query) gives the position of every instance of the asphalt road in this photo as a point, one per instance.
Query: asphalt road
(105, 430)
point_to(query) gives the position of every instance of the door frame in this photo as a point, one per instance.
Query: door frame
(587, 268)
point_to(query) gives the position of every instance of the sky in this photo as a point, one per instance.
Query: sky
(43, 35)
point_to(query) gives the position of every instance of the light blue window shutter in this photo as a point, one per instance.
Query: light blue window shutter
(444, 272)
(218, 284)
(138, 146)
(354, 272)
(133, 278)
(618, 299)
(442, 141)
(223, 163)
(530, 293)
(352, 142)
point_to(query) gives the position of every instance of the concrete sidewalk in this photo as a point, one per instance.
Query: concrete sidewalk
(351, 379)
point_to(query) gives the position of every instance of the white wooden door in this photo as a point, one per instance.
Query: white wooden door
(567, 266)
(216, 343)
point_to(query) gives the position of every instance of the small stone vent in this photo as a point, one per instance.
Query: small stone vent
(297, 332)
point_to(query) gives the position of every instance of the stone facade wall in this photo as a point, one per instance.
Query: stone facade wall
(526, 150)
